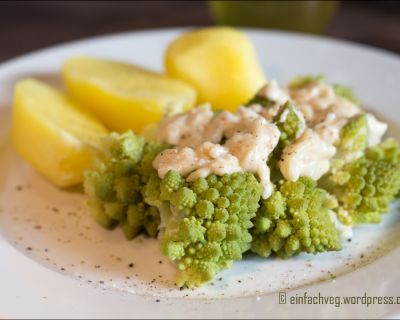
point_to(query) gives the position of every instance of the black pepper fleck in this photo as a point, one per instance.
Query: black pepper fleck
(55, 209)
(29, 248)
(131, 265)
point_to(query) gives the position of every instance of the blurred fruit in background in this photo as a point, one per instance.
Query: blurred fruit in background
(301, 16)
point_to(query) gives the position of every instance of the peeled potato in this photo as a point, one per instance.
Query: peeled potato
(52, 133)
(124, 96)
(219, 62)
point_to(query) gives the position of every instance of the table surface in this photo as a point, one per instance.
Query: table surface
(31, 25)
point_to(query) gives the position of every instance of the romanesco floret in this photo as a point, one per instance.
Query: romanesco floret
(353, 139)
(290, 124)
(124, 146)
(206, 226)
(115, 186)
(365, 186)
(295, 219)
(347, 93)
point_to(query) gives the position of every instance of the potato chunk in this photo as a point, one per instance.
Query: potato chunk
(124, 96)
(219, 62)
(52, 133)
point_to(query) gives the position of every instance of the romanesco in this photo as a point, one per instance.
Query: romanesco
(295, 219)
(290, 124)
(347, 93)
(353, 139)
(365, 186)
(206, 224)
(115, 187)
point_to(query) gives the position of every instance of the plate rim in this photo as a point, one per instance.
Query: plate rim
(105, 36)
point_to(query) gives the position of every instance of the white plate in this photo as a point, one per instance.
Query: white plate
(56, 262)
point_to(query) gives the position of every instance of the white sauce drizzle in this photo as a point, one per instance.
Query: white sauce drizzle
(199, 162)
(250, 140)
(376, 130)
(185, 129)
(309, 156)
(250, 137)
(329, 128)
(275, 93)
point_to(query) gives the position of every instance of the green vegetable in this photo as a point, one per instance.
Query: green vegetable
(295, 219)
(365, 187)
(116, 184)
(347, 93)
(257, 99)
(290, 127)
(353, 139)
(205, 225)
(304, 81)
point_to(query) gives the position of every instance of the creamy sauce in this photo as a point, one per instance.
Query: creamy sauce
(309, 156)
(313, 99)
(325, 113)
(205, 143)
(199, 162)
(376, 130)
(346, 232)
(329, 128)
(250, 140)
(318, 100)
(272, 91)
(220, 126)
(185, 129)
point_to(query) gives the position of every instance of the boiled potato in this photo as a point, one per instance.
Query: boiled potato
(52, 133)
(219, 62)
(124, 96)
